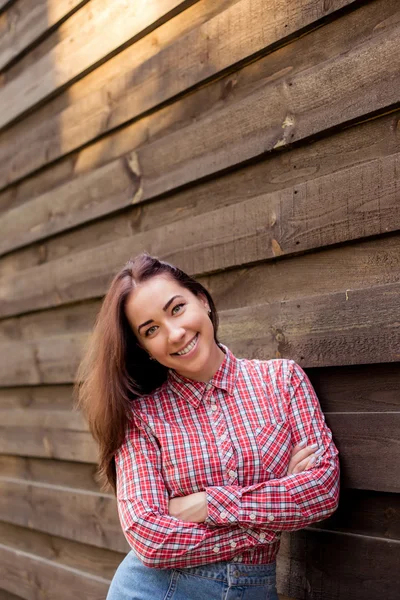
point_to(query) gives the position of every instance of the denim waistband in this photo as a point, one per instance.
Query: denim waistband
(234, 573)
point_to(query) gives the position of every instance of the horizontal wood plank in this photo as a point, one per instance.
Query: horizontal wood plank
(304, 217)
(365, 320)
(115, 24)
(365, 512)
(77, 555)
(372, 140)
(303, 329)
(48, 443)
(28, 576)
(27, 21)
(369, 449)
(332, 566)
(78, 515)
(54, 472)
(125, 86)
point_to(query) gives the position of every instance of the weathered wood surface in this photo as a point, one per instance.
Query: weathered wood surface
(79, 50)
(362, 328)
(369, 447)
(364, 322)
(27, 21)
(332, 566)
(62, 512)
(346, 205)
(139, 78)
(351, 204)
(48, 443)
(369, 513)
(77, 555)
(352, 389)
(55, 472)
(373, 140)
(27, 575)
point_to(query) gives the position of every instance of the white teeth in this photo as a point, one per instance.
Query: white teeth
(188, 348)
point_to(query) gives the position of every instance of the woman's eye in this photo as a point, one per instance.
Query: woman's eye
(177, 306)
(150, 330)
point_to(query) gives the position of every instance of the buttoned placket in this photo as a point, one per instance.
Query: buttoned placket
(228, 457)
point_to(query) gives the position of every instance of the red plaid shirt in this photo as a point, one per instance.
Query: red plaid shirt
(232, 438)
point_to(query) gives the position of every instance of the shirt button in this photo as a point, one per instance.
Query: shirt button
(216, 549)
(232, 474)
(214, 407)
(271, 518)
(223, 515)
(262, 537)
(233, 544)
(252, 516)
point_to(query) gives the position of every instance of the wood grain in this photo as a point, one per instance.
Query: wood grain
(372, 140)
(331, 566)
(62, 512)
(139, 78)
(347, 327)
(90, 559)
(347, 205)
(27, 21)
(115, 23)
(28, 575)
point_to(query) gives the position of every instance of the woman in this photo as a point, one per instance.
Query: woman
(211, 456)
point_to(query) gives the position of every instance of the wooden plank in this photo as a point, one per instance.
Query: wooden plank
(125, 86)
(48, 443)
(29, 576)
(299, 329)
(362, 324)
(90, 559)
(345, 149)
(369, 448)
(332, 566)
(55, 472)
(299, 218)
(43, 398)
(27, 21)
(357, 388)
(368, 513)
(77, 515)
(115, 24)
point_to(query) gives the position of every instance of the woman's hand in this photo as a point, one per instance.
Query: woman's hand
(192, 508)
(302, 458)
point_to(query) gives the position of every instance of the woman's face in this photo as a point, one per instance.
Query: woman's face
(173, 326)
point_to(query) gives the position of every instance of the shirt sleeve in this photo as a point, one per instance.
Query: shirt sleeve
(297, 500)
(158, 539)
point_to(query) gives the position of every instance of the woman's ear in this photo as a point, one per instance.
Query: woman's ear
(204, 301)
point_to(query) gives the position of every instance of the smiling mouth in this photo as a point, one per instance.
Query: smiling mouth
(188, 348)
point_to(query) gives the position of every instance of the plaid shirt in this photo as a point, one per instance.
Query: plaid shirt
(232, 438)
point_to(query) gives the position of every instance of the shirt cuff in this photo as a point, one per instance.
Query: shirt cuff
(223, 505)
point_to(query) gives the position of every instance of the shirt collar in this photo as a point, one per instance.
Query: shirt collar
(192, 391)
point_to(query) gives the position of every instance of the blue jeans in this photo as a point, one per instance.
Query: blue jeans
(215, 581)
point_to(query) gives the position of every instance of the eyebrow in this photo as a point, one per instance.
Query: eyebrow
(165, 308)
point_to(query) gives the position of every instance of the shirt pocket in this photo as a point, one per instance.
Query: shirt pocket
(274, 445)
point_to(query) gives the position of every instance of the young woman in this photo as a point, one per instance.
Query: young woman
(211, 456)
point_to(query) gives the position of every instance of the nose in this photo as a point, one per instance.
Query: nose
(175, 334)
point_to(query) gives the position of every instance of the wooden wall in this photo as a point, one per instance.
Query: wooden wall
(255, 143)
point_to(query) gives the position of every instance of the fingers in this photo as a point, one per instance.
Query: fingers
(303, 459)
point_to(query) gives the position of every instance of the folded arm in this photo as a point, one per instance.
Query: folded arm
(294, 501)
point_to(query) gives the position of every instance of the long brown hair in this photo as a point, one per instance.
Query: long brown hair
(115, 369)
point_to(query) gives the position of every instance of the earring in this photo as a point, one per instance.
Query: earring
(209, 313)
(151, 358)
